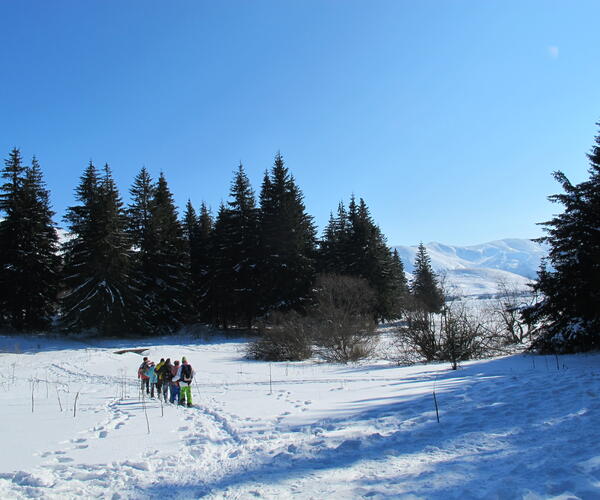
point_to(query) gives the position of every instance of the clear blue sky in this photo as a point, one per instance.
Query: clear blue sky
(446, 116)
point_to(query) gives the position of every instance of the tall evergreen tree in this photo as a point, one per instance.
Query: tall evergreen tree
(332, 248)
(426, 292)
(167, 292)
(191, 233)
(203, 262)
(569, 311)
(29, 262)
(235, 246)
(354, 245)
(287, 242)
(99, 294)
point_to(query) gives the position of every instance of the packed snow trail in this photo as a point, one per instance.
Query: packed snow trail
(514, 427)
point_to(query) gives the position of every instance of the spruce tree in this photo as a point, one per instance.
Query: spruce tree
(203, 262)
(332, 248)
(143, 242)
(427, 295)
(99, 293)
(29, 262)
(569, 312)
(168, 277)
(235, 247)
(287, 242)
(191, 233)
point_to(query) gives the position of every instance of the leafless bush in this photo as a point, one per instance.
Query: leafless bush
(506, 309)
(340, 325)
(456, 334)
(462, 335)
(284, 337)
(343, 320)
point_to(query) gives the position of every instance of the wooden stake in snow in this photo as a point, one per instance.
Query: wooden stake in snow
(145, 411)
(437, 413)
(270, 380)
(75, 405)
(58, 397)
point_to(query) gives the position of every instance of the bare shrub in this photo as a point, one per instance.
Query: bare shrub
(285, 336)
(507, 308)
(462, 335)
(343, 324)
(456, 334)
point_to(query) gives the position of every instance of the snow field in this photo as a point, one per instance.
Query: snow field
(512, 427)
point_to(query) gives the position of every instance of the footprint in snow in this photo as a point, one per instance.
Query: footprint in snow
(234, 454)
(82, 446)
(184, 428)
(63, 460)
(79, 440)
(102, 434)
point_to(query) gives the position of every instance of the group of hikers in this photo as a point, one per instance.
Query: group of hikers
(174, 379)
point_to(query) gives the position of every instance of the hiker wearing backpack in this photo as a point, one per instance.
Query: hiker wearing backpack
(145, 380)
(165, 374)
(152, 378)
(174, 385)
(158, 369)
(184, 376)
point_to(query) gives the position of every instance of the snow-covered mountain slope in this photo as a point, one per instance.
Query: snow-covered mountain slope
(477, 269)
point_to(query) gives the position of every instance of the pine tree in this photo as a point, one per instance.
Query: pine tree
(353, 245)
(426, 293)
(168, 277)
(99, 293)
(332, 248)
(203, 262)
(569, 311)
(29, 262)
(287, 242)
(143, 242)
(235, 245)
(191, 233)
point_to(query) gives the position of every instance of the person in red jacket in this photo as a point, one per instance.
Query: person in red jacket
(143, 377)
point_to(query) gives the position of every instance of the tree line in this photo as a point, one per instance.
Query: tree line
(141, 269)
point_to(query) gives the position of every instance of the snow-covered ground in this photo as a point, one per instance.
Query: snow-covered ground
(512, 427)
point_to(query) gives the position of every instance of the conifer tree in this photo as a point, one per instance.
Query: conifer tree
(203, 262)
(332, 248)
(143, 241)
(167, 272)
(191, 233)
(569, 312)
(287, 242)
(99, 293)
(235, 247)
(29, 262)
(426, 293)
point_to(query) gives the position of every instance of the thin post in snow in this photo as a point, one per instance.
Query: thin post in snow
(58, 397)
(145, 411)
(270, 380)
(437, 413)
(32, 389)
(75, 405)
(557, 365)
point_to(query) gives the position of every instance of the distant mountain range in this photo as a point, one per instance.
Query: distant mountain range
(476, 270)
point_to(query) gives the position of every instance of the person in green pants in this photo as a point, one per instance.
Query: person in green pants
(185, 375)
